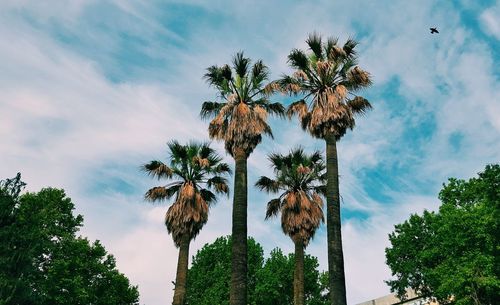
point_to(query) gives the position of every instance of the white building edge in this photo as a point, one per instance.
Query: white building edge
(392, 299)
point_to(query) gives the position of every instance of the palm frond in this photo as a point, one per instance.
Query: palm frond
(349, 46)
(267, 184)
(177, 150)
(271, 88)
(210, 109)
(358, 78)
(222, 168)
(320, 190)
(272, 108)
(298, 108)
(208, 196)
(241, 64)
(349, 64)
(220, 78)
(161, 193)
(316, 157)
(305, 121)
(219, 184)
(314, 43)
(359, 105)
(273, 207)
(259, 74)
(158, 169)
(213, 76)
(331, 43)
(298, 59)
(226, 73)
(276, 160)
(266, 129)
(206, 152)
(289, 85)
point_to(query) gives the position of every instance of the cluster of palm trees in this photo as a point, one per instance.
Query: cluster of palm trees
(326, 81)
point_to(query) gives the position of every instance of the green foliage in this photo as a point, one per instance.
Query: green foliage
(452, 254)
(43, 262)
(210, 273)
(275, 280)
(269, 281)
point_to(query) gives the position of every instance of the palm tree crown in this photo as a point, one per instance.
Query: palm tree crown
(196, 171)
(328, 78)
(240, 118)
(300, 180)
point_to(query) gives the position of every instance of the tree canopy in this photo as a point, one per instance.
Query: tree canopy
(240, 116)
(195, 172)
(452, 254)
(327, 79)
(270, 281)
(43, 262)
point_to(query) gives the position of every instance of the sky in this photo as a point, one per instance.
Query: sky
(90, 90)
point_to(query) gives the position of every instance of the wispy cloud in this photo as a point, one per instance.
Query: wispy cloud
(490, 20)
(90, 90)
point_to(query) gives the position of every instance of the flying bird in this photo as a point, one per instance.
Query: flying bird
(434, 30)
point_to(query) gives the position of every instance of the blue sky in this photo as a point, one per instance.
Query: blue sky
(89, 90)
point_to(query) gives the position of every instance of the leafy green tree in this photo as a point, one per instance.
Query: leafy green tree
(42, 261)
(240, 120)
(275, 281)
(453, 254)
(15, 260)
(298, 184)
(197, 170)
(82, 273)
(210, 272)
(327, 81)
(270, 282)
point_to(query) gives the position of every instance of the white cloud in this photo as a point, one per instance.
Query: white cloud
(490, 20)
(364, 244)
(65, 124)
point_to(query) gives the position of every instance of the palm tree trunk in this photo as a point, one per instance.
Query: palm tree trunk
(182, 269)
(335, 253)
(238, 291)
(298, 276)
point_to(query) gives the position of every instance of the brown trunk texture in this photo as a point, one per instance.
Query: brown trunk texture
(335, 253)
(238, 291)
(182, 269)
(298, 276)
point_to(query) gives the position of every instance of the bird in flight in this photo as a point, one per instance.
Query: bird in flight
(434, 30)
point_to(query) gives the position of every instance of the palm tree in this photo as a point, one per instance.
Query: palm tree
(240, 119)
(328, 80)
(300, 179)
(196, 171)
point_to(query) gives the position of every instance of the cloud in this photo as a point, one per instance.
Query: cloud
(88, 94)
(365, 241)
(489, 20)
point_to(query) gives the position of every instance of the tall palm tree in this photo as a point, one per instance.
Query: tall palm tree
(196, 171)
(328, 79)
(299, 181)
(239, 119)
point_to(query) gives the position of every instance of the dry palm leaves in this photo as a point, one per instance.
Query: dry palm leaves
(198, 170)
(240, 118)
(301, 216)
(187, 215)
(301, 178)
(240, 126)
(328, 78)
